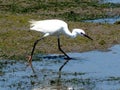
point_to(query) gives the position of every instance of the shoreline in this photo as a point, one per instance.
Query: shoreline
(104, 36)
(17, 40)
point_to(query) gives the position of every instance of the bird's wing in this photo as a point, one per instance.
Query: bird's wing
(46, 26)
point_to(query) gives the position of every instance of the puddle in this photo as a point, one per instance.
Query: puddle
(104, 20)
(93, 70)
(110, 1)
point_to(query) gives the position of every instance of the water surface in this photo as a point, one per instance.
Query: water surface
(104, 20)
(93, 70)
(110, 1)
(108, 20)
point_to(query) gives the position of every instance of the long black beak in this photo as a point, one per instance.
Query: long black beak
(87, 36)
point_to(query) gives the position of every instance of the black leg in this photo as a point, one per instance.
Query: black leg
(35, 43)
(30, 57)
(62, 50)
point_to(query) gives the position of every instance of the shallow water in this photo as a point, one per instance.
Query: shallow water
(111, 20)
(93, 70)
(104, 20)
(110, 1)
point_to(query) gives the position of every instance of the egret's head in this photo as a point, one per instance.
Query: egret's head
(82, 33)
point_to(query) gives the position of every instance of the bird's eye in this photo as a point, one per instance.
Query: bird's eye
(81, 33)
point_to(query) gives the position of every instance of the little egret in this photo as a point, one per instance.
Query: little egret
(53, 27)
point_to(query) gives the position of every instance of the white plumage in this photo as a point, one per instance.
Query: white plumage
(53, 27)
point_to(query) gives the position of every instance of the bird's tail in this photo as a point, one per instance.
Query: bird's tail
(32, 24)
(32, 21)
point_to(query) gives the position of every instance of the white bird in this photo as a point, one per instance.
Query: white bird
(53, 27)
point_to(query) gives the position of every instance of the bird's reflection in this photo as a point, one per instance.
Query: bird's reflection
(59, 80)
(60, 69)
(56, 83)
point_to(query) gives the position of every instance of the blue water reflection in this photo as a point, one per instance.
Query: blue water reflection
(93, 70)
(100, 64)
(104, 20)
(110, 1)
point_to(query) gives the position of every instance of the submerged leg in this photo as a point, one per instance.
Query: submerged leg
(62, 50)
(30, 57)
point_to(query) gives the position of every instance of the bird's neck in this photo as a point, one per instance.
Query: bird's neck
(72, 34)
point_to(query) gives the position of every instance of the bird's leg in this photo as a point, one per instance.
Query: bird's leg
(68, 58)
(63, 65)
(30, 57)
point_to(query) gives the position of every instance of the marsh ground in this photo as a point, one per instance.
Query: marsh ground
(17, 41)
(84, 73)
